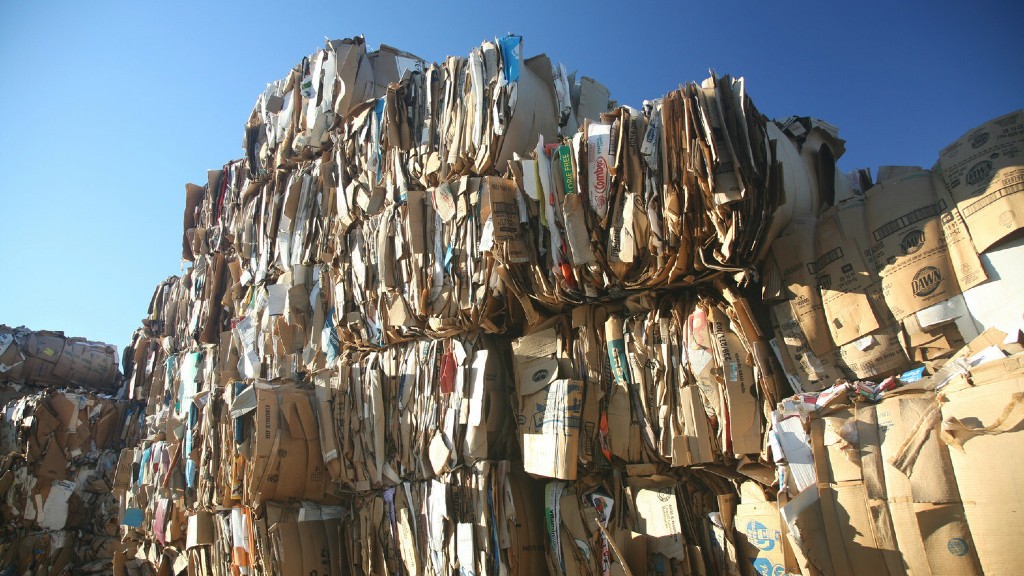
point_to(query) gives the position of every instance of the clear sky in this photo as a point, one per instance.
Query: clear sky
(109, 108)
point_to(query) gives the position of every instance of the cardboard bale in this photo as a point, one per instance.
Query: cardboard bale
(474, 518)
(604, 209)
(56, 482)
(439, 403)
(44, 358)
(677, 381)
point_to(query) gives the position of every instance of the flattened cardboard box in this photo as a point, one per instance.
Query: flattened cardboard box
(740, 389)
(857, 525)
(795, 259)
(760, 539)
(984, 173)
(550, 407)
(851, 293)
(909, 247)
(843, 275)
(982, 424)
(551, 438)
(805, 370)
(927, 514)
(287, 459)
(873, 356)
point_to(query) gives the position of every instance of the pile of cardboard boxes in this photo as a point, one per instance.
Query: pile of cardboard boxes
(476, 318)
(60, 437)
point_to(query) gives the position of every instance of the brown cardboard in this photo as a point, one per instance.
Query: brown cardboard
(10, 352)
(810, 371)
(938, 331)
(909, 248)
(200, 530)
(585, 323)
(45, 346)
(526, 535)
(878, 353)
(550, 407)
(266, 432)
(551, 437)
(54, 464)
(623, 429)
(744, 418)
(288, 549)
(575, 533)
(633, 547)
(390, 65)
(316, 554)
(354, 74)
(981, 424)
(843, 276)
(500, 205)
(923, 498)
(47, 421)
(592, 98)
(795, 258)
(984, 174)
(193, 198)
(694, 445)
(759, 539)
(963, 254)
(535, 112)
(658, 516)
(286, 439)
(856, 520)
(874, 356)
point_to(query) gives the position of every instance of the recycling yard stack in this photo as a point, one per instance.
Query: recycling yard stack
(475, 317)
(61, 433)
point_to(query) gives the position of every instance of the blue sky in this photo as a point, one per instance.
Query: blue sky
(109, 108)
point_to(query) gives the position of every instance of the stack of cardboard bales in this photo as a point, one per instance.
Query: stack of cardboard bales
(301, 377)
(895, 475)
(60, 447)
(476, 318)
(343, 343)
